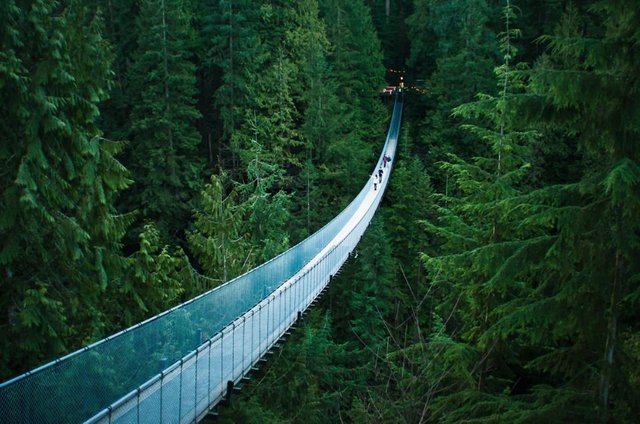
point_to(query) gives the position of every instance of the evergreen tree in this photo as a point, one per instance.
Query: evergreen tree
(235, 52)
(543, 297)
(590, 291)
(389, 18)
(217, 239)
(376, 308)
(357, 65)
(330, 144)
(120, 22)
(461, 64)
(60, 235)
(312, 380)
(157, 277)
(271, 118)
(483, 246)
(266, 208)
(240, 225)
(408, 202)
(425, 38)
(164, 159)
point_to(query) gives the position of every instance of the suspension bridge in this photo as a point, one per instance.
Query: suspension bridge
(177, 366)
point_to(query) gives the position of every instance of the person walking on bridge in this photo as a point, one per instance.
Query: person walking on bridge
(375, 181)
(380, 175)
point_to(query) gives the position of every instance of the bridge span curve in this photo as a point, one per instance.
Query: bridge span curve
(176, 366)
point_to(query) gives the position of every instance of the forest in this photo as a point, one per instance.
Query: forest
(155, 149)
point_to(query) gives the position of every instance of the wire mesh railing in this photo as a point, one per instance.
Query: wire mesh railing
(175, 366)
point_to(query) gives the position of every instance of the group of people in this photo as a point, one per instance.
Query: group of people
(377, 176)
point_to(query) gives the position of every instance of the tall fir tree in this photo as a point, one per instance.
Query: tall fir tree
(163, 157)
(60, 234)
(591, 274)
(240, 224)
(235, 52)
(120, 21)
(483, 251)
(389, 17)
(329, 142)
(265, 206)
(157, 278)
(546, 301)
(409, 203)
(271, 118)
(310, 381)
(460, 64)
(356, 62)
(217, 239)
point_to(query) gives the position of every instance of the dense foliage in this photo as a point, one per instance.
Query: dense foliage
(153, 149)
(148, 142)
(508, 291)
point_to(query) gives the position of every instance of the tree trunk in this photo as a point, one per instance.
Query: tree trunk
(171, 156)
(612, 328)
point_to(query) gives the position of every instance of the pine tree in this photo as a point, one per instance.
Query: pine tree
(241, 224)
(311, 381)
(483, 252)
(164, 159)
(330, 144)
(461, 64)
(271, 117)
(265, 207)
(60, 235)
(357, 65)
(235, 53)
(590, 267)
(389, 18)
(157, 278)
(120, 22)
(409, 199)
(218, 240)
(553, 296)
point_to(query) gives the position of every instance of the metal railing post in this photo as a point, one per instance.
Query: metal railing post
(209, 376)
(161, 397)
(195, 389)
(221, 359)
(180, 394)
(233, 348)
(244, 324)
(260, 329)
(253, 314)
(281, 299)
